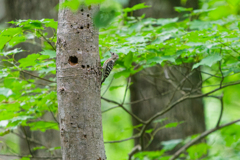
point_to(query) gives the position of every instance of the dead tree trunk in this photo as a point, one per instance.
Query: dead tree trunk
(160, 82)
(79, 83)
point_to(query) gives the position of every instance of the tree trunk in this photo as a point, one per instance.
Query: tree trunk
(79, 84)
(160, 83)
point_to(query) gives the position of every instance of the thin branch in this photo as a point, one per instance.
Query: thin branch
(203, 135)
(53, 115)
(135, 149)
(110, 109)
(123, 140)
(28, 144)
(221, 111)
(179, 101)
(36, 157)
(125, 93)
(108, 86)
(120, 105)
(37, 76)
(222, 78)
(47, 40)
(188, 97)
(230, 48)
(29, 139)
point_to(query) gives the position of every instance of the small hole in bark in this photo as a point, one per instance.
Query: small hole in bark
(87, 15)
(77, 32)
(85, 136)
(73, 60)
(89, 7)
(78, 49)
(71, 26)
(87, 25)
(83, 66)
(88, 66)
(81, 10)
(81, 27)
(82, 14)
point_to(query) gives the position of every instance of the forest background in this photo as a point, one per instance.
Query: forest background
(204, 40)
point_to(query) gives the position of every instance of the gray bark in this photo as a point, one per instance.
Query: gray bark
(79, 85)
(153, 81)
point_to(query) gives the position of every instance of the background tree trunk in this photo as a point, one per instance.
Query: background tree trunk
(34, 9)
(160, 81)
(79, 85)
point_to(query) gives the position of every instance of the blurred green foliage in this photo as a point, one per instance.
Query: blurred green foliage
(207, 37)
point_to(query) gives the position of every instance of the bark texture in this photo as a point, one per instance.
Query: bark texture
(156, 82)
(79, 84)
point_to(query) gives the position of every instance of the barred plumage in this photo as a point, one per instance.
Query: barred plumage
(108, 65)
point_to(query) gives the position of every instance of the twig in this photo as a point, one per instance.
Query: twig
(179, 101)
(125, 93)
(204, 134)
(110, 109)
(29, 139)
(108, 87)
(25, 133)
(135, 149)
(53, 115)
(37, 76)
(222, 78)
(8, 155)
(47, 40)
(120, 105)
(221, 112)
(230, 48)
(123, 140)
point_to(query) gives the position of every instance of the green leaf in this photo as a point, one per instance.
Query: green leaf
(128, 59)
(136, 7)
(3, 133)
(43, 125)
(72, 4)
(115, 87)
(200, 25)
(25, 158)
(16, 40)
(103, 17)
(150, 155)
(182, 9)
(14, 51)
(50, 23)
(6, 92)
(161, 59)
(198, 150)
(124, 73)
(54, 148)
(37, 148)
(11, 31)
(149, 131)
(173, 124)
(159, 120)
(208, 61)
(165, 21)
(50, 53)
(30, 60)
(169, 145)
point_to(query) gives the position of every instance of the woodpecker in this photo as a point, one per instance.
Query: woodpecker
(108, 65)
